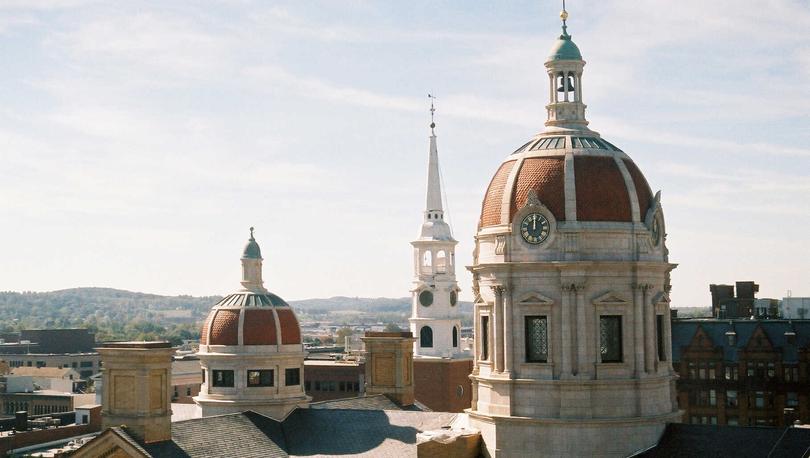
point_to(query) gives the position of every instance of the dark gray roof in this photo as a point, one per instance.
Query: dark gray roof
(684, 330)
(246, 434)
(388, 433)
(305, 432)
(686, 441)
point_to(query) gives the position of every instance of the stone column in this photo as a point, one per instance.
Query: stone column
(508, 333)
(476, 335)
(638, 328)
(565, 85)
(583, 364)
(649, 332)
(497, 310)
(565, 328)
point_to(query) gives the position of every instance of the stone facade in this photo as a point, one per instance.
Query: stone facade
(137, 388)
(571, 283)
(389, 365)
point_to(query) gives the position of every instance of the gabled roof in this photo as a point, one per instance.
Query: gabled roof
(684, 330)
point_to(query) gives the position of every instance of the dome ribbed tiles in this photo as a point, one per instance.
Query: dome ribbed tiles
(642, 187)
(491, 210)
(290, 331)
(260, 327)
(248, 299)
(225, 328)
(601, 191)
(546, 175)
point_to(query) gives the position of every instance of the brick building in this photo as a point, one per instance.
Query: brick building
(325, 380)
(742, 372)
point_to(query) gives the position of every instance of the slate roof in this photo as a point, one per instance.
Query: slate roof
(686, 441)
(316, 432)
(684, 330)
(373, 402)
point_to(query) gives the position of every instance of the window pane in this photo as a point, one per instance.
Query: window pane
(292, 376)
(610, 338)
(536, 339)
(222, 379)
(260, 377)
(659, 328)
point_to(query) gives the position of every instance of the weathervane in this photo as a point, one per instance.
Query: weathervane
(564, 16)
(432, 111)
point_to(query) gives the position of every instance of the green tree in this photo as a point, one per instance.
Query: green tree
(391, 327)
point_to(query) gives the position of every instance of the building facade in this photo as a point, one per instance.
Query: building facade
(742, 372)
(325, 380)
(571, 282)
(251, 353)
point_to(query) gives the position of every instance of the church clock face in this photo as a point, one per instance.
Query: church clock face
(426, 298)
(535, 228)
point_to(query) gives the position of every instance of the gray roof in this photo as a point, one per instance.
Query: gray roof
(317, 432)
(684, 330)
(686, 441)
(373, 402)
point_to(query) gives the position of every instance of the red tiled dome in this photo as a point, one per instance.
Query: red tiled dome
(265, 317)
(605, 183)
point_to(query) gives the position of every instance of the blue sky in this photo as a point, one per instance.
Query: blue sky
(140, 140)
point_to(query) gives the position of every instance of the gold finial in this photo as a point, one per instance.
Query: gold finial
(563, 15)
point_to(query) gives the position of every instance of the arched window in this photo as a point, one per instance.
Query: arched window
(441, 262)
(426, 337)
(455, 337)
(427, 259)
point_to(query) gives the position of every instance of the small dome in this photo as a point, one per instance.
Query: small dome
(262, 313)
(564, 49)
(252, 250)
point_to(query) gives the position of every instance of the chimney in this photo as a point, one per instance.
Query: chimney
(389, 365)
(21, 421)
(137, 388)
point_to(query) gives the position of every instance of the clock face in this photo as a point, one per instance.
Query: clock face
(535, 228)
(426, 298)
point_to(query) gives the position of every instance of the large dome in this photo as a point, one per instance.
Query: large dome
(577, 176)
(268, 320)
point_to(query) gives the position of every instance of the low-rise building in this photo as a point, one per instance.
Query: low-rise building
(186, 379)
(329, 379)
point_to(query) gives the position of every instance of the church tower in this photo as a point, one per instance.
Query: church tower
(251, 352)
(571, 282)
(441, 366)
(435, 318)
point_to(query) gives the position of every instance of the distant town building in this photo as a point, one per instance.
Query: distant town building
(742, 372)
(328, 379)
(727, 304)
(65, 348)
(795, 307)
(186, 379)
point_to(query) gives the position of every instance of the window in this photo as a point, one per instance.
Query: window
(203, 375)
(259, 377)
(732, 373)
(733, 421)
(536, 339)
(426, 337)
(659, 328)
(610, 338)
(41, 364)
(731, 398)
(188, 391)
(342, 386)
(702, 371)
(86, 364)
(692, 370)
(761, 400)
(292, 376)
(771, 370)
(222, 379)
(712, 372)
(317, 385)
(712, 398)
(792, 399)
(455, 337)
(485, 337)
(176, 394)
(791, 374)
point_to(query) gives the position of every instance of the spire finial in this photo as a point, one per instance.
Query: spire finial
(564, 17)
(432, 111)
(251, 233)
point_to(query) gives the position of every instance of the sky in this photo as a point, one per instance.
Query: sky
(140, 140)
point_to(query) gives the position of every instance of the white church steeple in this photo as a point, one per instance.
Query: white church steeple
(435, 320)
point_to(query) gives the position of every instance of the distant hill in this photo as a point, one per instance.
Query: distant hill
(115, 313)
